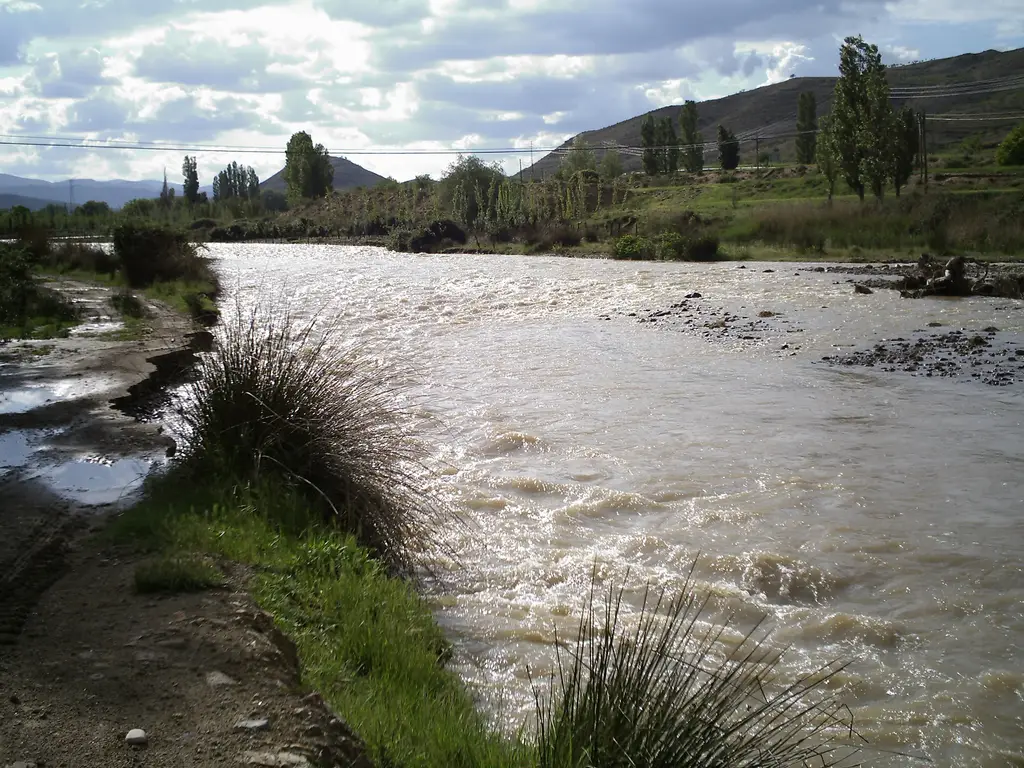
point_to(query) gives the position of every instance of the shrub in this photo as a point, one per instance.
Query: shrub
(128, 304)
(203, 224)
(150, 254)
(670, 246)
(633, 247)
(559, 235)
(1011, 150)
(26, 307)
(17, 288)
(660, 695)
(281, 401)
(82, 257)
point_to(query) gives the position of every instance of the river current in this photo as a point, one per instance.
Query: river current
(872, 517)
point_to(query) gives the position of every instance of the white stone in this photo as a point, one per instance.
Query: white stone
(218, 678)
(261, 724)
(278, 760)
(136, 736)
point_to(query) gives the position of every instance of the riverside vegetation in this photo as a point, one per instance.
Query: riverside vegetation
(155, 260)
(965, 197)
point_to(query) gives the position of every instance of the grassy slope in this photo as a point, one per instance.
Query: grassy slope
(779, 213)
(772, 108)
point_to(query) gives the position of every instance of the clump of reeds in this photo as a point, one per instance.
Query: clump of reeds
(662, 695)
(278, 399)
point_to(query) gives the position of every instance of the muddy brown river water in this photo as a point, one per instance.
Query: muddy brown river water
(872, 516)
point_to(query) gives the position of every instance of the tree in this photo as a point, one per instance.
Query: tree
(236, 182)
(93, 208)
(826, 153)
(307, 169)
(1011, 150)
(806, 126)
(190, 187)
(728, 149)
(648, 140)
(905, 151)
(274, 202)
(611, 165)
(693, 142)
(464, 188)
(668, 146)
(166, 194)
(861, 117)
(580, 157)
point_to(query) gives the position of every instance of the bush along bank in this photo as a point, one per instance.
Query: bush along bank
(296, 465)
(155, 260)
(27, 308)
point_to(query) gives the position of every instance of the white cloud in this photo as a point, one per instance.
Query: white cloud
(415, 73)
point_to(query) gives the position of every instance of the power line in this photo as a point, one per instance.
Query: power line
(997, 81)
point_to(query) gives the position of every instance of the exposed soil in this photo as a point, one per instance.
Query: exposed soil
(83, 659)
(207, 677)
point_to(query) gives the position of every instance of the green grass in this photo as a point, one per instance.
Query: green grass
(367, 641)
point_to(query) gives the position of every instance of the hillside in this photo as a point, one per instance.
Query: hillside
(772, 109)
(114, 193)
(8, 200)
(347, 175)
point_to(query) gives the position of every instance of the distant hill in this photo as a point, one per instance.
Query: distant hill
(347, 175)
(772, 108)
(32, 203)
(114, 193)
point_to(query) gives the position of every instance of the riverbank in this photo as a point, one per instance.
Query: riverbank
(151, 617)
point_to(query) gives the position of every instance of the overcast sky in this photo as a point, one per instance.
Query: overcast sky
(414, 73)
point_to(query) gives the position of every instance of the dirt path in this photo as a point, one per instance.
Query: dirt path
(83, 658)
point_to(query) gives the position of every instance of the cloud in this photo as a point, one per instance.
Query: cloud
(72, 74)
(191, 58)
(418, 73)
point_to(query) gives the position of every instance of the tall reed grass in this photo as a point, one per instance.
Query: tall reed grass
(661, 694)
(278, 398)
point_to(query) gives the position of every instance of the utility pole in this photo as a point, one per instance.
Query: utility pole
(531, 159)
(520, 170)
(71, 195)
(757, 151)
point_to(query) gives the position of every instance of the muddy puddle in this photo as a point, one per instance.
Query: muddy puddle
(96, 481)
(29, 395)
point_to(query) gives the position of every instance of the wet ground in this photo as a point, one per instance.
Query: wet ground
(71, 446)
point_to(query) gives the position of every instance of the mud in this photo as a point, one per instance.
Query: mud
(67, 454)
(208, 677)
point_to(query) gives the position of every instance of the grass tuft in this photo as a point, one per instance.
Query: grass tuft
(661, 695)
(175, 573)
(280, 400)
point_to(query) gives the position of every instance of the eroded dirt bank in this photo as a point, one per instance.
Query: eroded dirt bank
(83, 658)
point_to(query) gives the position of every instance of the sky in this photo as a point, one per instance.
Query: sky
(413, 74)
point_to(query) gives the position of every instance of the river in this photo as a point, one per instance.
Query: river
(874, 517)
